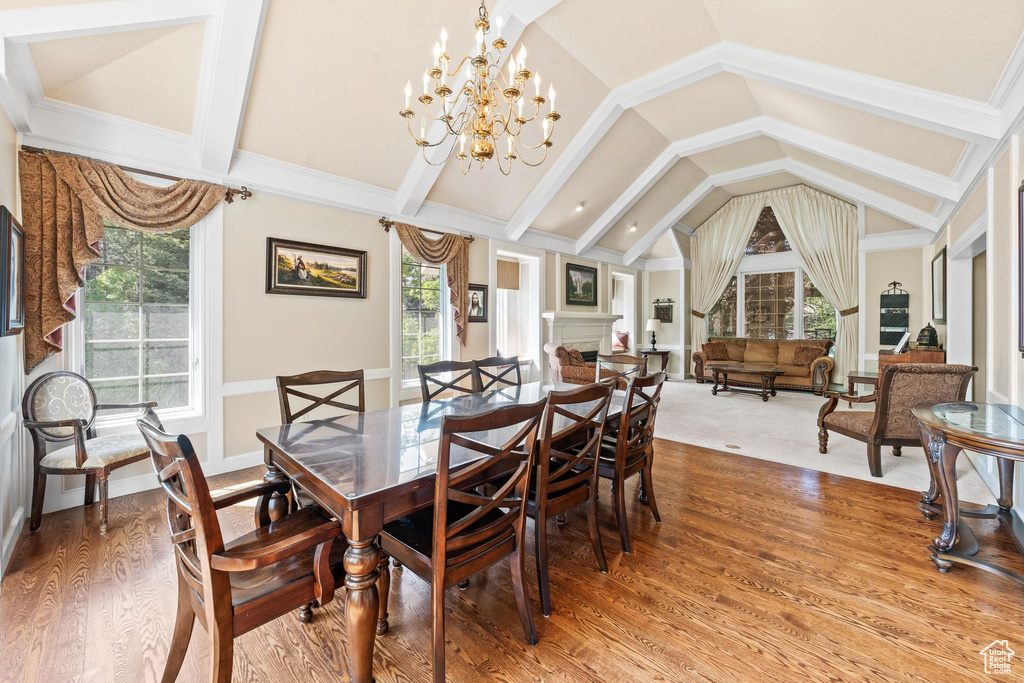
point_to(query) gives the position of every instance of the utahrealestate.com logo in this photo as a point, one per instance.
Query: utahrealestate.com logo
(997, 657)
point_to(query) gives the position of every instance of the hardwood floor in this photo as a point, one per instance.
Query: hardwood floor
(759, 571)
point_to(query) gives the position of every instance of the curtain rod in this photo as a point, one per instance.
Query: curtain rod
(387, 224)
(244, 193)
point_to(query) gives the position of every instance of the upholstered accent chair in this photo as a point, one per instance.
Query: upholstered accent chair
(60, 407)
(567, 365)
(900, 388)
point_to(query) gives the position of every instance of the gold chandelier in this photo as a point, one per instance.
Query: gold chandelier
(488, 106)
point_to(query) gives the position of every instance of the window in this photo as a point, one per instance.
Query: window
(422, 326)
(722, 318)
(767, 237)
(819, 315)
(768, 300)
(137, 319)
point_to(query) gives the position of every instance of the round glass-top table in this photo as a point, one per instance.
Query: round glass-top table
(990, 428)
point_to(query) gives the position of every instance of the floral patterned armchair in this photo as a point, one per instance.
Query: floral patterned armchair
(567, 365)
(61, 407)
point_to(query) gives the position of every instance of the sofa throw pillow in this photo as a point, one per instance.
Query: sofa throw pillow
(805, 355)
(715, 351)
(620, 341)
(576, 359)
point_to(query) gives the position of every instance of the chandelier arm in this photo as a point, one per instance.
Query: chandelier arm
(542, 159)
(447, 156)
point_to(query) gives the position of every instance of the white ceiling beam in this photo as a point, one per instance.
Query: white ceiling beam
(941, 112)
(698, 66)
(422, 174)
(807, 173)
(948, 114)
(92, 18)
(231, 46)
(14, 96)
(878, 165)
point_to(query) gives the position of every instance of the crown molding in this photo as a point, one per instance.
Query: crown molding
(900, 239)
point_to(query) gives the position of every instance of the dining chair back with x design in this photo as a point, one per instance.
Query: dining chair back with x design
(567, 469)
(448, 376)
(499, 372)
(631, 448)
(467, 531)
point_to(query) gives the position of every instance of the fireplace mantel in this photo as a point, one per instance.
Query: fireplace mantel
(582, 330)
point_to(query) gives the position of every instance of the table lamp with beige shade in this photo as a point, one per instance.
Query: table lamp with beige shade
(653, 326)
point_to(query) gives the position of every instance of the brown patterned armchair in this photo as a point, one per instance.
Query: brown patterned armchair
(901, 387)
(570, 368)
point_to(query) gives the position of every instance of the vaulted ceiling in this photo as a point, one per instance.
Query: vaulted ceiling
(669, 107)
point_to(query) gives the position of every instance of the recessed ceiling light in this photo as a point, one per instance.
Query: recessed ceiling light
(578, 207)
(632, 228)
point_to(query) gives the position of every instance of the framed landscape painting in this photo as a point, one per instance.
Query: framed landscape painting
(580, 285)
(315, 269)
(12, 275)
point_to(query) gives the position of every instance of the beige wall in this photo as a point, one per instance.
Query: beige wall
(882, 268)
(1000, 258)
(968, 213)
(14, 465)
(928, 254)
(664, 284)
(477, 335)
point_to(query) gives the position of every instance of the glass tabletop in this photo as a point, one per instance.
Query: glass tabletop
(988, 420)
(357, 455)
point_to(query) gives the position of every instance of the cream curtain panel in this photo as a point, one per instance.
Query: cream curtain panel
(450, 250)
(823, 231)
(717, 249)
(64, 201)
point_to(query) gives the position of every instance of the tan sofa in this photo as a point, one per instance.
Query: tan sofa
(775, 352)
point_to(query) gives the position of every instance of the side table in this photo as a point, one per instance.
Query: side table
(656, 352)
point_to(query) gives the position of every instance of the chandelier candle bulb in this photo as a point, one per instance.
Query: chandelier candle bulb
(522, 58)
(426, 82)
(437, 54)
(551, 96)
(536, 85)
(462, 144)
(408, 93)
(480, 39)
(444, 41)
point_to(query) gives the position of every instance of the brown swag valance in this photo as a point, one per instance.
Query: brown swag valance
(450, 250)
(64, 201)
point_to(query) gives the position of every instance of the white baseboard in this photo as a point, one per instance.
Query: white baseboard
(62, 500)
(13, 532)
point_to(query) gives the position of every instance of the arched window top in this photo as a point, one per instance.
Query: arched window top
(767, 237)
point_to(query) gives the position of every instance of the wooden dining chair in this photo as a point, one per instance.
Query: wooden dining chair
(499, 372)
(631, 450)
(567, 478)
(465, 532)
(237, 586)
(433, 378)
(627, 367)
(349, 379)
(61, 407)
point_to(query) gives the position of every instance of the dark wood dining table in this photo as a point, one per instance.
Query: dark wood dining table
(371, 468)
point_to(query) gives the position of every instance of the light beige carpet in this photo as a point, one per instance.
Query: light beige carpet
(785, 430)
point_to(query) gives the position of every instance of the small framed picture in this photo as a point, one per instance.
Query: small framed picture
(314, 269)
(580, 285)
(12, 274)
(477, 304)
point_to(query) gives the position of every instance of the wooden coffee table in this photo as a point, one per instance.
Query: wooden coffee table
(768, 374)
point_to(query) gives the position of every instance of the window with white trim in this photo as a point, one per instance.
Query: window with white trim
(424, 331)
(137, 332)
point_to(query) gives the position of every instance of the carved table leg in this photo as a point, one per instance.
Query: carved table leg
(944, 455)
(771, 385)
(714, 380)
(1005, 500)
(279, 505)
(764, 388)
(362, 606)
(849, 391)
(383, 592)
(929, 497)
